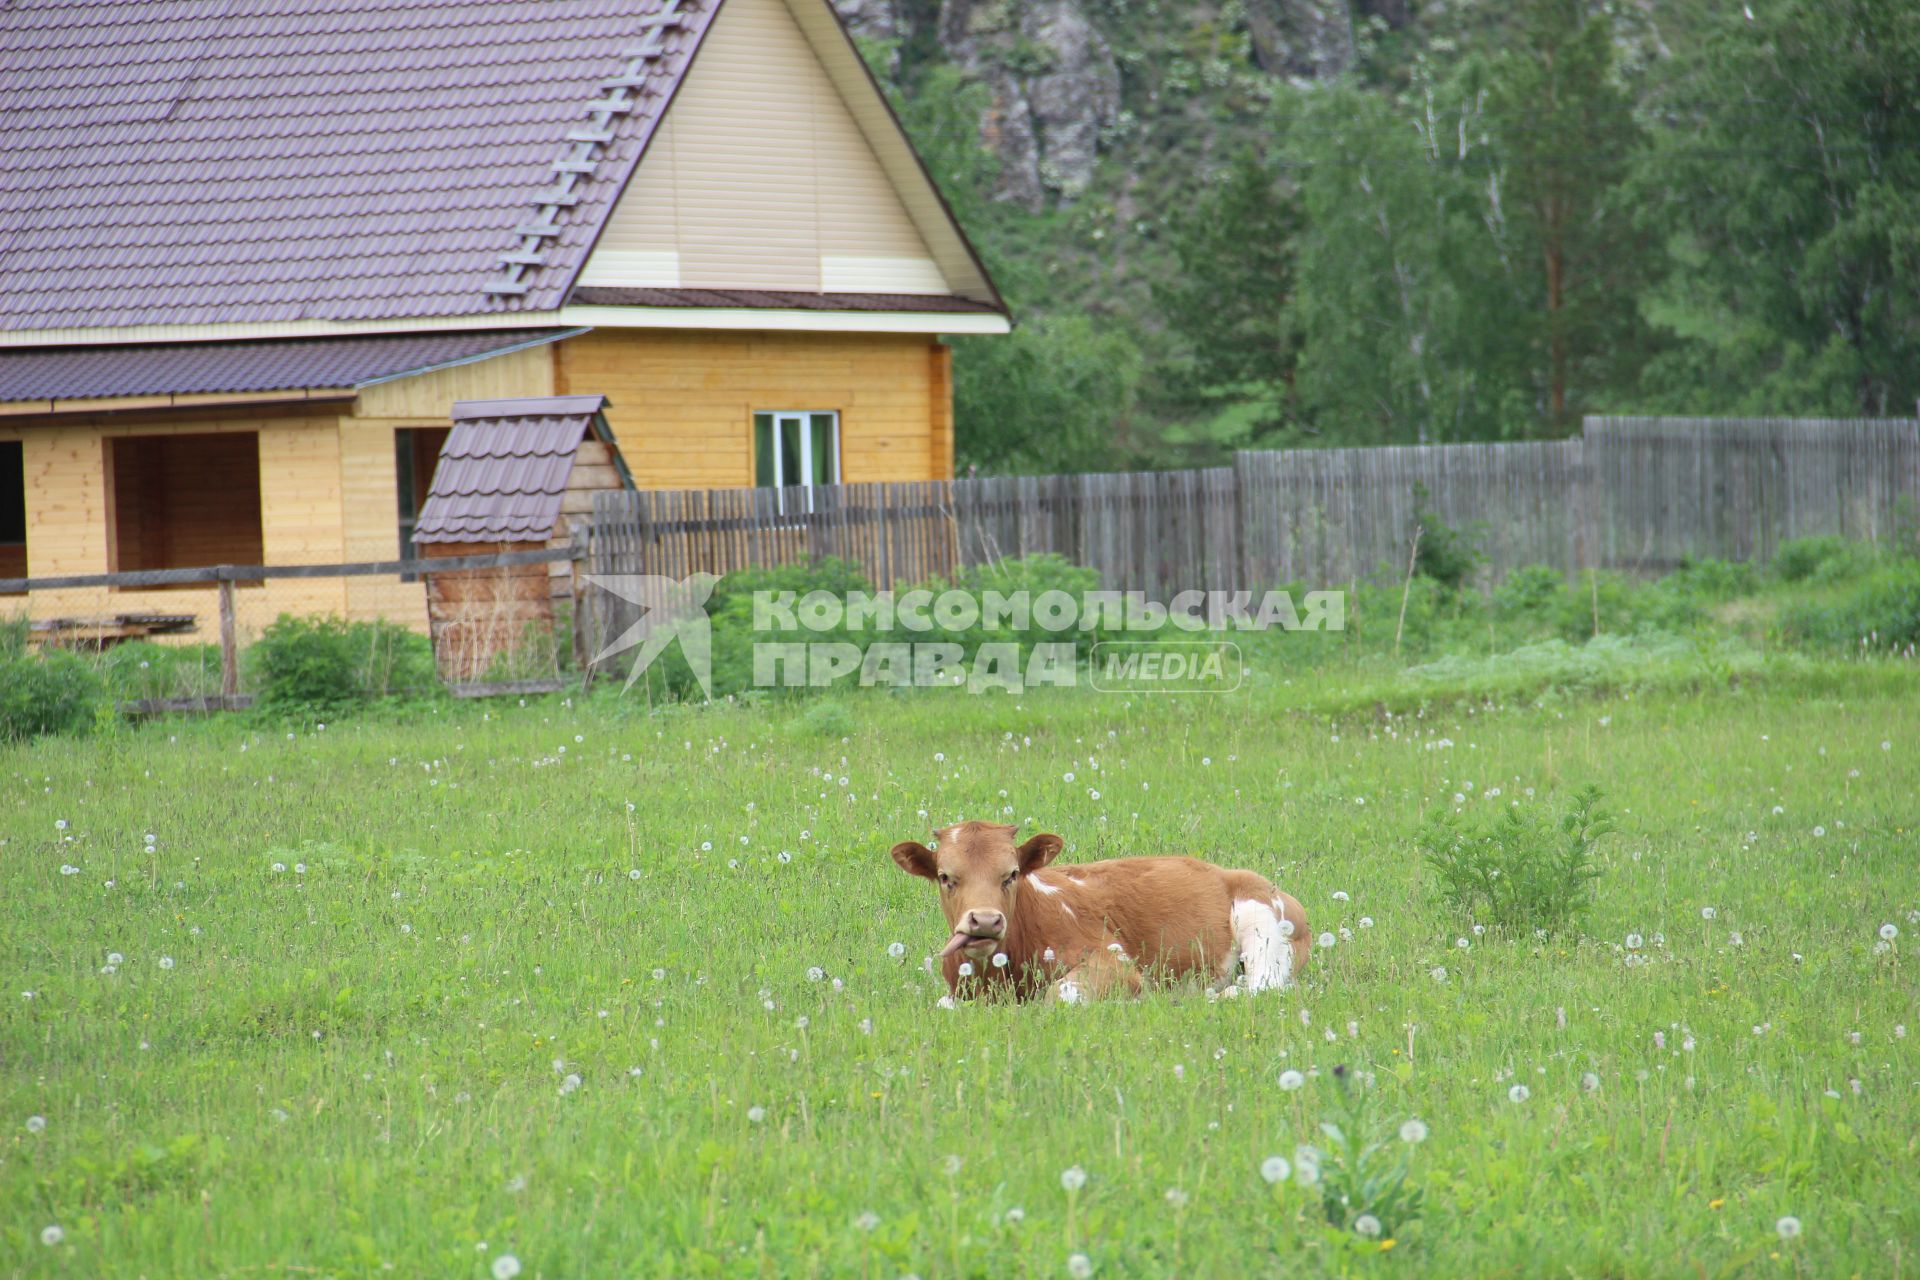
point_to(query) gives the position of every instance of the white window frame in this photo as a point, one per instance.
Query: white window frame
(803, 420)
(800, 420)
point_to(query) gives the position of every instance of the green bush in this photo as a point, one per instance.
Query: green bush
(1625, 607)
(1520, 870)
(1879, 616)
(1712, 579)
(316, 666)
(1822, 559)
(54, 691)
(1446, 555)
(1528, 592)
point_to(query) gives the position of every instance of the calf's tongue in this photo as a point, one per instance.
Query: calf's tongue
(959, 939)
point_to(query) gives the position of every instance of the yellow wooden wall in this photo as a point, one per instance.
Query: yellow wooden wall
(682, 403)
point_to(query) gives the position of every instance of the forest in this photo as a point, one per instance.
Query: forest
(1441, 222)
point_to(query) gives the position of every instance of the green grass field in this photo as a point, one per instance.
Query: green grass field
(610, 991)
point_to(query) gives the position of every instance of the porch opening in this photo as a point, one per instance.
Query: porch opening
(13, 509)
(416, 452)
(183, 501)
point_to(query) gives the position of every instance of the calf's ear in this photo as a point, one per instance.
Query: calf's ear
(1038, 852)
(914, 858)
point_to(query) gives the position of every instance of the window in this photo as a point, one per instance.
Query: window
(183, 502)
(13, 509)
(416, 452)
(796, 449)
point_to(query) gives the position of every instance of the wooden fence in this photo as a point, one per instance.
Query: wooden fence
(1636, 494)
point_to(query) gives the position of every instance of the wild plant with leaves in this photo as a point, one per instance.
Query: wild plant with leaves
(1519, 870)
(1363, 1174)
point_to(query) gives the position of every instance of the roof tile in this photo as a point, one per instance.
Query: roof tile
(186, 368)
(187, 162)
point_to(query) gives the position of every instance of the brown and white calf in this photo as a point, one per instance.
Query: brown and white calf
(1088, 930)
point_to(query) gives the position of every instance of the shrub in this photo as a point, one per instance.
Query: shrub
(1822, 559)
(1712, 579)
(1528, 592)
(314, 666)
(731, 610)
(54, 691)
(1445, 554)
(1625, 607)
(1519, 871)
(1880, 615)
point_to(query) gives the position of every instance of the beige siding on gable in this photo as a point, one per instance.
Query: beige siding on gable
(759, 178)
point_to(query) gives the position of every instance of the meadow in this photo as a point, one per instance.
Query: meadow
(587, 988)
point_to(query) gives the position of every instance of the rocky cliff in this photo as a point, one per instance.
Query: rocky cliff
(1071, 81)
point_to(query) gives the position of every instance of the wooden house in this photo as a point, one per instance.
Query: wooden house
(241, 292)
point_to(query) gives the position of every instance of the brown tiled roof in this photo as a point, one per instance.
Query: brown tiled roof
(504, 469)
(187, 368)
(187, 162)
(768, 299)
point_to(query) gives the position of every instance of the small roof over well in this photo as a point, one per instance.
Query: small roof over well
(46, 376)
(505, 467)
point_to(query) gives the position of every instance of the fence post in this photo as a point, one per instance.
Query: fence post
(229, 645)
(582, 623)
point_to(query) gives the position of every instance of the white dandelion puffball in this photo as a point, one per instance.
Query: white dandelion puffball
(1176, 1197)
(114, 957)
(1325, 941)
(1590, 1082)
(1888, 932)
(966, 968)
(1079, 1266)
(1414, 1130)
(1306, 1165)
(166, 962)
(867, 1221)
(1367, 1225)
(816, 973)
(1073, 1178)
(1635, 942)
(1438, 973)
(1275, 1169)
(1461, 943)
(756, 1114)
(1340, 895)
(52, 1235)
(896, 949)
(1708, 913)
(1788, 1227)
(1519, 1093)
(36, 1124)
(1366, 922)
(1291, 1079)
(999, 959)
(506, 1267)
